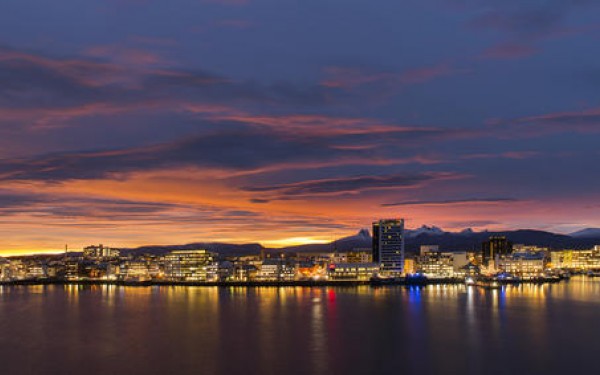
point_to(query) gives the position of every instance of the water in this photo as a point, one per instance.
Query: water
(544, 329)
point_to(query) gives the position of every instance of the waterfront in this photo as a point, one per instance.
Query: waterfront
(525, 329)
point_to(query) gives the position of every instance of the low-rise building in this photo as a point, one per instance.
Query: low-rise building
(245, 272)
(17, 270)
(576, 259)
(36, 270)
(436, 264)
(71, 268)
(269, 270)
(277, 270)
(526, 265)
(360, 256)
(4, 269)
(134, 270)
(352, 271)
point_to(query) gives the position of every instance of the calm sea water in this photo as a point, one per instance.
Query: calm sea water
(549, 329)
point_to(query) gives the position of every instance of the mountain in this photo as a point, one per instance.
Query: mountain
(424, 230)
(586, 233)
(470, 240)
(447, 241)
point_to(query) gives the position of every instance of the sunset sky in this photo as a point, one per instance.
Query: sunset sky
(132, 122)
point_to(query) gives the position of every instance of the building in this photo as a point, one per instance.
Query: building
(337, 257)
(269, 270)
(520, 248)
(55, 269)
(494, 246)
(576, 259)
(191, 265)
(99, 252)
(410, 265)
(4, 269)
(289, 271)
(134, 270)
(425, 249)
(310, 270)
(459, 260)
(277, 270)
(388, 246)
(436, 264)
(527, 265)
(352, 271)
(16, 270)
(225, 270)
(359, 256)
(36, 270)
(71, 268)
(245, 272)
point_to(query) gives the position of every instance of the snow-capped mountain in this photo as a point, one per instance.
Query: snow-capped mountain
(424, 230)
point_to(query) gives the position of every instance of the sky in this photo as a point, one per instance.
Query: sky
(133, 122)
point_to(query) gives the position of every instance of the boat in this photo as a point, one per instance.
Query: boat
(383, 280)
(416, 279)
(483, 282)
(507, 278)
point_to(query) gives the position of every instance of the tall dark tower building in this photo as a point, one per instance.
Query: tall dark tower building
(496, 245)
(388, 245)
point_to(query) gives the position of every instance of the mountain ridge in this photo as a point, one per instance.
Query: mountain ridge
(586, 233)
(467, 239)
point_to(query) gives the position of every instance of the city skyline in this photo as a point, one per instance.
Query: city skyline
(134, 123)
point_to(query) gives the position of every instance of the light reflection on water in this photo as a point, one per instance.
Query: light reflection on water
(526, 329)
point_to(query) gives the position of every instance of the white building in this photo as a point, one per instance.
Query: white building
(436, 264)
(526, 265)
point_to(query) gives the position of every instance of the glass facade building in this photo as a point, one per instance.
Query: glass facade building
(388, 245)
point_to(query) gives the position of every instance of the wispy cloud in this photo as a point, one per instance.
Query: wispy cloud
(347, 185)
(525, 24)
(583, 121)
(452, 202)
(348, 77)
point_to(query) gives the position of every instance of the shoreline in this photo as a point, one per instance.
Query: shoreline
(254, 284)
